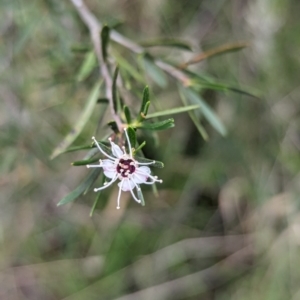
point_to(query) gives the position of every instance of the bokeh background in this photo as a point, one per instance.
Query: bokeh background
(226, 224)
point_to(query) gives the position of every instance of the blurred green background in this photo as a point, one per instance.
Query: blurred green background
(226, 224)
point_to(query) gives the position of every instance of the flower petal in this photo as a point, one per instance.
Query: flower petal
(143, 170)
(139, 178)
(110, 174)
(116, 150)
(109, 168)
(127, 185)
(107, 164)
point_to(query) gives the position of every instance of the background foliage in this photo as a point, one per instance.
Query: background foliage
(226, 222)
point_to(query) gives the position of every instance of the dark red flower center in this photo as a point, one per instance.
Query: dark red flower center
(125, 167)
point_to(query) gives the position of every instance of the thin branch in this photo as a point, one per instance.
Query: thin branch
(215, 51)
(95, 27)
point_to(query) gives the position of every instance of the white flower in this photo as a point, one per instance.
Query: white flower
(124, 167)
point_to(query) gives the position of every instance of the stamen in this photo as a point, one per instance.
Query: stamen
(154, 178)
(119, 195)
(128, 142)
(98, 146)
(106, 184)
(134, 197)
(124, 150)
(93, 166)
(145, 164)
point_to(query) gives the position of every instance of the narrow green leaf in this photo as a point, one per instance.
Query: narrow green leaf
(80, 48)
(145, 112)
(145, 104)
(82, 120)
(123, 63)
(231, 47)
(139, 147)
(132, 136)
(114, 127)
(208, 82)
(156, 164)
(207, 112)
(156, 74)
(115, 97)
(77, 148)
(87, 66)
(167, 43)
(84, 162)
(141, 196)
(154, 190)
(127, 114)
(103, 101)
(146, 98)
(172, 111)
(81, 188)
(97, 198)
(158, 125)
(198, 125)
(104, 40)
(193, 117)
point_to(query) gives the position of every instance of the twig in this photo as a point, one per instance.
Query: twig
(213, 52)
(94, 27)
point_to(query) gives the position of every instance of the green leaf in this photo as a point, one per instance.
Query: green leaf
(97, 198)
(158, 125)
(103, 101)
(115, 97)
(80, 48)
(114, 127)
(104, 40)
(193, 117)
(145, 112)
(82, 120)
(139, 147)
(167, 43)
(81, 188)
(84, 162)
(127, 114)
(207, 112)
(128, 67)
(77, 148)
(145, 104)
(172, 111)
(146, 98)
(132, 136)
(156, 74)
(87, 66)
(208, 82)
(156, 164)
(231, 47)
(141, 196)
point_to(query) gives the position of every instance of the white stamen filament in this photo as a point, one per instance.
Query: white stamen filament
(128, 141)
(134, 197)
(102, 151)
(119, 195)
(106, 184)
(145, 164)
(154, 178)
(93, 166)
